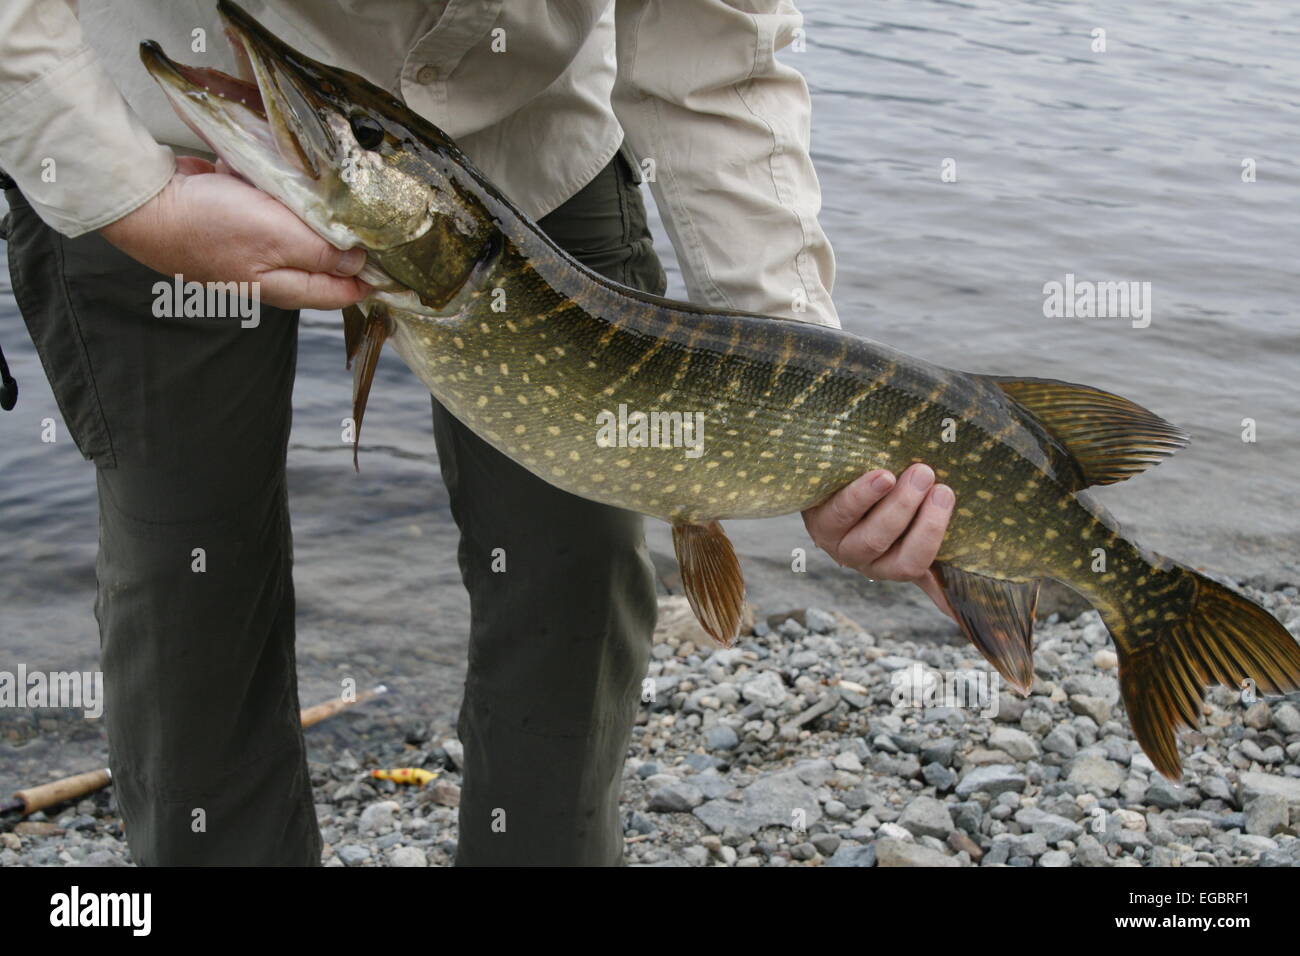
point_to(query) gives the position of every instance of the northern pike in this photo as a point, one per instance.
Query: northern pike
(534, 352)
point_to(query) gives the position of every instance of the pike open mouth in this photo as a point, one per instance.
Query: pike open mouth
(270, 124)
(203, 84)
(241, 89)
(227, 111)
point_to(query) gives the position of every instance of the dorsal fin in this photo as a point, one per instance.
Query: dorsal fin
(1110, 437)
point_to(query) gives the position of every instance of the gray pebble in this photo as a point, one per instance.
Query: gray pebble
(721, 737)
(1266, 814)
(353, 855)
(1095, 772)
(925, 816)
(676, 798)
(696, 855)
(407, 856)
(942, 778)
(826, 843)
(379, 817)
(992, 779)
(1166, 795)
(939, 751)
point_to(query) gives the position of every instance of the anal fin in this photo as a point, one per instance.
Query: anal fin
(712, 578)
(998, 617)
(364, 336)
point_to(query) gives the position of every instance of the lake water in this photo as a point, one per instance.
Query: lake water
(1117, 165)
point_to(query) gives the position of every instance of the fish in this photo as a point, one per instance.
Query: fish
(695, 415)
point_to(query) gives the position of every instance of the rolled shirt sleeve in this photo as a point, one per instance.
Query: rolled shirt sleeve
(77, 151)
(726, 125)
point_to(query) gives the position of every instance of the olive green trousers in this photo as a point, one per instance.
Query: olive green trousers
(187, 421)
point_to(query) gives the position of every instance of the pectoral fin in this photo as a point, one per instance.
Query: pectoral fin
(711, 575)
(354, 326)
(364, 336)
(998, 618)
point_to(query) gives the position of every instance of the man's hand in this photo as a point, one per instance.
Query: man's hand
(886, 528)
(212, 227)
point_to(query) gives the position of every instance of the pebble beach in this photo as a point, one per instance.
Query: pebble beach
(812, 742)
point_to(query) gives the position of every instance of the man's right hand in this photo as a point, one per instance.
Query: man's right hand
(888, 529)
(212, 227)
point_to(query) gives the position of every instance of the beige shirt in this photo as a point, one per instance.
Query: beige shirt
(539, 93)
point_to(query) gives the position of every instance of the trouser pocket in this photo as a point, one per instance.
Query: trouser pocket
(36, 272)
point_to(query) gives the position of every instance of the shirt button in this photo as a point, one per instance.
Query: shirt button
(426, 74)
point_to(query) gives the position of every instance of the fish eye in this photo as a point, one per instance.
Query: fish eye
(369, 134)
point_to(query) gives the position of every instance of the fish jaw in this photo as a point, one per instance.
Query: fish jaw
(332, 147)
(229, 115)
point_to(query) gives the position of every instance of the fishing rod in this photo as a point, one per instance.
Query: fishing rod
(28, 801)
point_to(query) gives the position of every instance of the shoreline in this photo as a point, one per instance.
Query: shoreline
(800, 746)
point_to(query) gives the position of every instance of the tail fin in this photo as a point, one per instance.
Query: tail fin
(1166, 665)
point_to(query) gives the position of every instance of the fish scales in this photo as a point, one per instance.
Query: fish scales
(640, 364)
(646, 366)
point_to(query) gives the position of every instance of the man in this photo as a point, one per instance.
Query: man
(187, 419)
